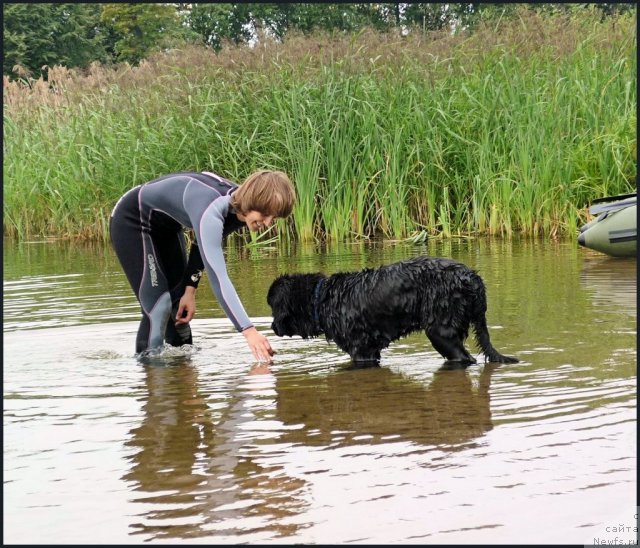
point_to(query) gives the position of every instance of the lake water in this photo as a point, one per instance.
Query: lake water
(202, 445)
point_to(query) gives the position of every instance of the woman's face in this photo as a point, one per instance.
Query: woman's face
(256, 221)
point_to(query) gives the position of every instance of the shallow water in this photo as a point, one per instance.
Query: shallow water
(202, 445)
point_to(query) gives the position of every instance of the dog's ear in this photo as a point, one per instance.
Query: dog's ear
(279, 287)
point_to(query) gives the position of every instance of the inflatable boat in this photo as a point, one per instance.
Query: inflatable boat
(614, 229)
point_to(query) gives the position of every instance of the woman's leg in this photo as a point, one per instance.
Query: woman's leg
(136, 252)
(173, 261)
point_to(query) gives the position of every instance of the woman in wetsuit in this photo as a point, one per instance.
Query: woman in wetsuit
(147, 231)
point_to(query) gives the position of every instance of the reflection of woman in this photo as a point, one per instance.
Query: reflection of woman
(176, 424)
(146, 229)
(201, 467)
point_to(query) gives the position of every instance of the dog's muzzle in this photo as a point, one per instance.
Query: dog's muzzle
(275, 329)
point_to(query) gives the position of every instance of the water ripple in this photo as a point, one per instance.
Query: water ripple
(200, 445)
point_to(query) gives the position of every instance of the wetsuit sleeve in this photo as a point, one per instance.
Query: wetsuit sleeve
(195, 266)
(209, 234)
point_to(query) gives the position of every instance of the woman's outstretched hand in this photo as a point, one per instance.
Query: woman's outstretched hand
(187, 305)
(259, 345)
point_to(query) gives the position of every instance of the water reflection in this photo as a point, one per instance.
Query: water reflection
(377, 404)
(202, 474)
(199, 447)
(612, 282)
(206, 461)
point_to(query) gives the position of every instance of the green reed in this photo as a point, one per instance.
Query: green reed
(512, 131)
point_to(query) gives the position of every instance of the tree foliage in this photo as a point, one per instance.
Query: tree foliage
(51, 34)
(74, 35)
(215, 23)
(140, 28)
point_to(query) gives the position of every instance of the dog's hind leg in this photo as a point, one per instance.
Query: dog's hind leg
(450, 346)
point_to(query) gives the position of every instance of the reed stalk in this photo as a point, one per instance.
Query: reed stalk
(499, 133)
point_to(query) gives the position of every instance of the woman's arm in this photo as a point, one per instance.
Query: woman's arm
(209, 234)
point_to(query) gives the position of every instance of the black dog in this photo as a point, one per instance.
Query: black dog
(363, 312)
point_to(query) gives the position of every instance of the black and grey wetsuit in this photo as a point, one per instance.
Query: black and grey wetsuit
(147, 231)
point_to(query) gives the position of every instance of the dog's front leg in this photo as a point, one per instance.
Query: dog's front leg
(363, 349)
(362, 363)
(365, 357)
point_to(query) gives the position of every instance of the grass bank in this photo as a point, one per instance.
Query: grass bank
(513, 129)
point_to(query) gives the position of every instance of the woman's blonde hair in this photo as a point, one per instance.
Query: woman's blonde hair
(269, 192)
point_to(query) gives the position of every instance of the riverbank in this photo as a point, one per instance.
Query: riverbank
(513, 129)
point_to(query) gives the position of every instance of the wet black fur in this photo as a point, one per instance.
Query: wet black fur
(363, 312)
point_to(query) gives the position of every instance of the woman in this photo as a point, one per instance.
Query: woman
(147, 231)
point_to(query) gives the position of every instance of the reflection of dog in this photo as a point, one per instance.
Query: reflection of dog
(363, 312)
(378, 405)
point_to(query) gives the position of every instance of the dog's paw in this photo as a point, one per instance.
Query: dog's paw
(499, 358)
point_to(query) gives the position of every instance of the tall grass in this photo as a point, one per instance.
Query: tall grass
(513, 129)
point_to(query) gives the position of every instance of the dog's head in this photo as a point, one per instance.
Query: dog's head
(291, 298)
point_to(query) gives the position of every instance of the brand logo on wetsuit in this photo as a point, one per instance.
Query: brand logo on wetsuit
(152, 270)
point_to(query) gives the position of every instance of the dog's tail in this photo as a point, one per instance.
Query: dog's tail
(479, 323)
